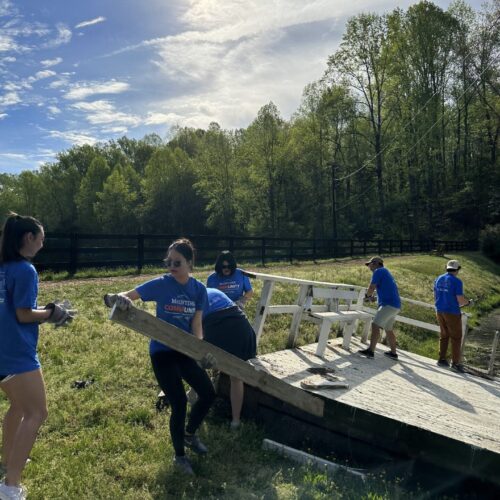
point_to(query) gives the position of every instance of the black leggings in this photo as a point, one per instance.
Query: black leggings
(170, 367)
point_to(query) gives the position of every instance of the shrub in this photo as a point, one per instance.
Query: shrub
(489, 239)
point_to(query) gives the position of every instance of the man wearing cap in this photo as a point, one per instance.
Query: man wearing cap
(449, 297)
(389, 305)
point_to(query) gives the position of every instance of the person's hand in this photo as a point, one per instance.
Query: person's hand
(241, 303)
(122, 301)
(208, 361)
(369, 298)
(62, 312)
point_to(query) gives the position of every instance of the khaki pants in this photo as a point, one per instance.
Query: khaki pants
(451, 329)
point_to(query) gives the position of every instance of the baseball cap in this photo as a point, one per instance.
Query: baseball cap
(375, 260)
(453, 265)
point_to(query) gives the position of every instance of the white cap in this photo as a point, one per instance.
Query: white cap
(453, 265)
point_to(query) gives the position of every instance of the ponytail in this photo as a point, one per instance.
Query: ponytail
(14, 229)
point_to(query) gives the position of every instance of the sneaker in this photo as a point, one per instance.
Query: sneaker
(193, 443)
(457, 367)
(12, 492)
(184, 465)
(366, 352)
(444, 363)
(392, 355)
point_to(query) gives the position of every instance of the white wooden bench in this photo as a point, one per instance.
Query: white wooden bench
(343, 307)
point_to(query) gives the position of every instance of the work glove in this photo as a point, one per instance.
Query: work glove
(62, 312)
(122, 301)
(369, 298)
(208, 361)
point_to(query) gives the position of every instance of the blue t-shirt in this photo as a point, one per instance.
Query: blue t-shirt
(217, 301)
(18, 341)
(387, 290)
(446, 289)
(234, 286)
(175, 303)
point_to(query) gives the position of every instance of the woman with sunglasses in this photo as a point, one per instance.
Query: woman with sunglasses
(226, 326)
(180, 300)
(230, 279)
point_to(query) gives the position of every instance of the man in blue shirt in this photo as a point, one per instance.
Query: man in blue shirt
(389, 305)
(449, 297)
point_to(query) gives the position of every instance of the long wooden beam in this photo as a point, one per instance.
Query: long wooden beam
(157, 329)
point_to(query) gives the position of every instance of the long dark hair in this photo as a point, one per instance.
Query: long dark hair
(184, 247)
(225, 256)
(13, 231)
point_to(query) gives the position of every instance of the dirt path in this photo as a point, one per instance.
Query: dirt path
(480, 340)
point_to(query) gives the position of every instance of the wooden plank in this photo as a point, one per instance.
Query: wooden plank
(157, 329)
(263, 308)
(307, 459)
(297, 316)
(491, 366)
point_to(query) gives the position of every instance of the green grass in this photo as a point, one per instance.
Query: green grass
(108, 441)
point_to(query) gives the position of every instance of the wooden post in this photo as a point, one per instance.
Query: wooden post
(297, 316)
(263, 251)
(73, 253)
(161, 331)
(491, 366)
(291, 251)
(262, 308)
(140, 252)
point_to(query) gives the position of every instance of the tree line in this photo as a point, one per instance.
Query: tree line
(398, 139)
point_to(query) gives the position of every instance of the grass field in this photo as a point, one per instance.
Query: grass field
(108, 441)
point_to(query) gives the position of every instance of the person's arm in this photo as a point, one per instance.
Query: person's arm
(131, 294)
(28, 315)
(247, 295)
(462, 301)
(196, 325)
(371, 290)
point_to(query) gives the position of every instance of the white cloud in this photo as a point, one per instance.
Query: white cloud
(104, 113)
(14, 156)
(51, 62)
(53, 110)
(40, 75)
(63, 37)
(72, 137)
(8, 59)
(97, 20)
(83, 90)
(9, 99)
(162, 118)
(3, 115)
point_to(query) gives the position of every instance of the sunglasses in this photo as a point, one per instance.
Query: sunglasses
(225, 267)
(173, 263)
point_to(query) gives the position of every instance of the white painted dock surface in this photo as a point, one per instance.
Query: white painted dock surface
(413, 390)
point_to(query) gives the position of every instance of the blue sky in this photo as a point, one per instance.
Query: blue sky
(82, 72)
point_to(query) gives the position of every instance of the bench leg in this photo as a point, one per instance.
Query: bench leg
(323, 337)
(366, 330)
(348, 330)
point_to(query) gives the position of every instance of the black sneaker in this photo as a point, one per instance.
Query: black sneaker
(444, 363)
(366, 352)
(193, 443)
(184, 465)
(392, 355)
(457, 367)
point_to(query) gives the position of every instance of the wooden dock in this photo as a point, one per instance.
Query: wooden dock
(410, 407)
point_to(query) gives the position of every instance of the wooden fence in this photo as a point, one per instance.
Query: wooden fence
(70, 252)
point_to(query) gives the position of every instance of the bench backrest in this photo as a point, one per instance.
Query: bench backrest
(334, 297)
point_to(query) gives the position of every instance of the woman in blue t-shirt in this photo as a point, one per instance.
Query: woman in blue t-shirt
(229, 279)
(226, 326)
(180, 300)
(20, 374)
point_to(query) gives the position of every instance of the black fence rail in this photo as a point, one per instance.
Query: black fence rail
(70, 252)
